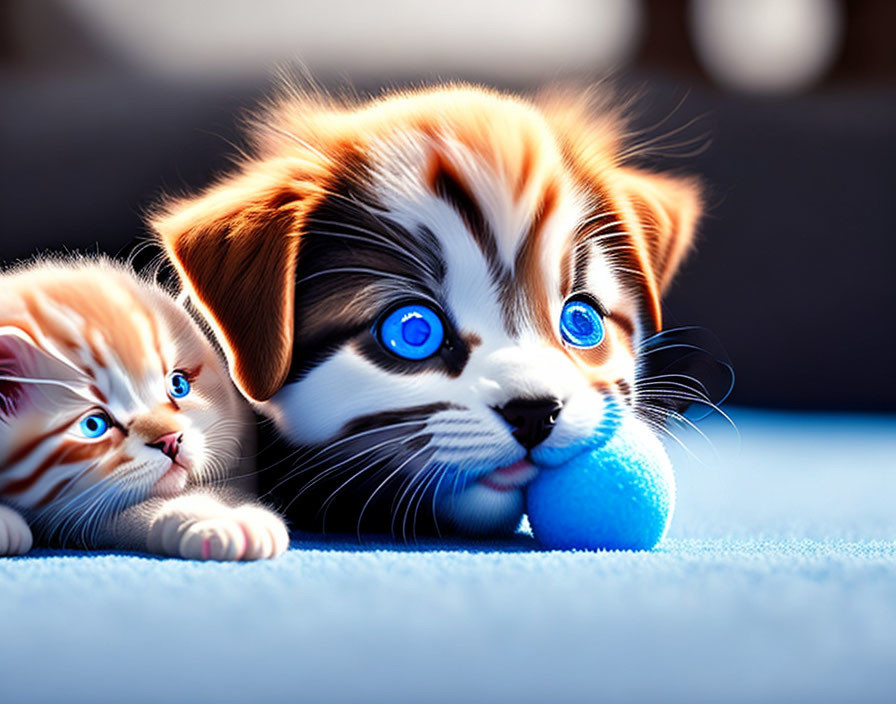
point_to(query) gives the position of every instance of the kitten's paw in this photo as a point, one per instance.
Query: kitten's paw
(15, 535)
(266, 532)
(199, 527)
(244, 533)
(219, 538)
(178, 515)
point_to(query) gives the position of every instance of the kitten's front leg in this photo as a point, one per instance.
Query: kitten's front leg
(201, 527)
(15, 535)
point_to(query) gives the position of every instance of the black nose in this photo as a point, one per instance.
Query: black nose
(533, 419)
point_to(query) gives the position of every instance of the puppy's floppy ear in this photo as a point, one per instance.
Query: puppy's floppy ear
(235, 249)
(661, 210)
(667, 209)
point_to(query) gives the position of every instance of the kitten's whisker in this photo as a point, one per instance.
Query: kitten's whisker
(45, 382)
(77, 509)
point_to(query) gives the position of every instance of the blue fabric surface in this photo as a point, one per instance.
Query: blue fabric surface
(777, 581)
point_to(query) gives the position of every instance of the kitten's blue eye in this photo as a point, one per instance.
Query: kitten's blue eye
(581, 324)
(178, 385)
(94, 425)
(412, 331)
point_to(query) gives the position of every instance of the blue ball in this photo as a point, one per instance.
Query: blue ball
(620, 497)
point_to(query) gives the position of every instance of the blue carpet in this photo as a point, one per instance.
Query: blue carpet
(777, 582)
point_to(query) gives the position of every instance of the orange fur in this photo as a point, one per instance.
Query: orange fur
(235, 246)
(80, 338)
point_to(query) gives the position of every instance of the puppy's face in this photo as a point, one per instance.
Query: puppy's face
(436, 295)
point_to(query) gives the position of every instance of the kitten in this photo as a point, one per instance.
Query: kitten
(114, 410)
(436, 294)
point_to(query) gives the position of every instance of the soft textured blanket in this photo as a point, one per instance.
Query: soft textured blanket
(778, 581)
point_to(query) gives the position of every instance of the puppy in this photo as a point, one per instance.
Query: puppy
(433, 295)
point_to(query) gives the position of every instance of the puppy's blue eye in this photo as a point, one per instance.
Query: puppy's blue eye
(94, 425)
(178, 385)
(581, 324)
(412, 331)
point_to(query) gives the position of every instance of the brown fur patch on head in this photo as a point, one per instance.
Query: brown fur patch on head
(657, 213)
(238, 247)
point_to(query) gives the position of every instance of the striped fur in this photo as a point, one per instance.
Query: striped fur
(493, 208)
(82, 337)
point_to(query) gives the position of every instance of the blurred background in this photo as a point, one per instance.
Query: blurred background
(786, 108)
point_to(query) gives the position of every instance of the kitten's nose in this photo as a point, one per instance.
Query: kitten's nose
(532, 419)
(168, 444)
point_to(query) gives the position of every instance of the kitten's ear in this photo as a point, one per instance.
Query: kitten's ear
(14, 346)
(235, 249)
(668, 209)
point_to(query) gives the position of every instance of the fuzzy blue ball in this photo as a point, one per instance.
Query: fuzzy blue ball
(619, 497)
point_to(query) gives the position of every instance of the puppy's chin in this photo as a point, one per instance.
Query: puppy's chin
(479, 510)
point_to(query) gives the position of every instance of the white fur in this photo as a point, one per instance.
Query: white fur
(114, 507)
(15, 535)
(200, 527)
(503, 367)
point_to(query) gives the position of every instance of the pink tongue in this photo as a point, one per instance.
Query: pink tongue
(512, 468)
